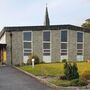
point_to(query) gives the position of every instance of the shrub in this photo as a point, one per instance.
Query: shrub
(68, 71)
(85, 75)
(78, 82)
(37, 61)
(75, 71)
(71, 71)
(64, 61)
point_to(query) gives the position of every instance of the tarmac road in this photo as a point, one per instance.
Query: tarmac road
(12, 79)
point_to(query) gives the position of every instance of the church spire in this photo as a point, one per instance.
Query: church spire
(46, 22)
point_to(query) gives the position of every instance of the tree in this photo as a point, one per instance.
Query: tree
(68, 71)
(86, 24)
(71, 71)
(75, 71)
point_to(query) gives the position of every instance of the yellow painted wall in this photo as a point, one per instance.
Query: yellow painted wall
(4, 56)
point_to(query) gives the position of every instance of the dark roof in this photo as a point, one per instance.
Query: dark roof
(51, 27)
(38, 28)
(3, 45)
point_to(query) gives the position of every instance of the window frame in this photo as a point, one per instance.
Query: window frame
(48, 50)
(31, 49)
(64, 42)
(77, 42)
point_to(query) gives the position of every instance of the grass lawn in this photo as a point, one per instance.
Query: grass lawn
(55, 69)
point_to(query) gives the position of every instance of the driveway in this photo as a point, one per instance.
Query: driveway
(12, 79)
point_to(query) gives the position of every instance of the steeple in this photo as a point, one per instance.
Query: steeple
(46, 22)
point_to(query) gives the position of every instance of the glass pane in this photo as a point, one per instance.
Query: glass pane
(63, 45)
(79, 53)
(27, 54)
(63, 50)
(46, 50)
(79, 46)
(27, 50)
(46, 36)
(46, 45)
(27, 36)
(63, 36)
(63, 53)
(46, 54)
(79, 37)
(27, 45)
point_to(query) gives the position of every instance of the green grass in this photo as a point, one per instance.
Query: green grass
(55, 69)
(64, 83)
(45, 69)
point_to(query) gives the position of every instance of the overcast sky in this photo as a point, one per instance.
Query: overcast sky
(32, 12)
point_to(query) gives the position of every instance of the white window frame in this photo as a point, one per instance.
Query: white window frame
(28, 41)
(64, 42)
(80, 43)
(46, 42)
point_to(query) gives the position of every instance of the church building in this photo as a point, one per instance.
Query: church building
(51, 43)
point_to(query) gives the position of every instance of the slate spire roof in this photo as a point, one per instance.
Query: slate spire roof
(46, 21)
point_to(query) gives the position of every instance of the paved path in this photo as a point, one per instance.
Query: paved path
(12, 79)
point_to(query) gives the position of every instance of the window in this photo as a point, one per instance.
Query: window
(79, 37)
(79, 52)
(46, 43)
(64, 43)
(46, 36)
(27, 42)
(63, 36)
(80, 43)
(79, 46)
(27, 36)
(27, 45)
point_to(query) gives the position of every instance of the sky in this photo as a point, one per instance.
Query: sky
(32, 12)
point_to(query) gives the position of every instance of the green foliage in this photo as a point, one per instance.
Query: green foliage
(35, 57)
(71, 71)
(86, 24)
(68, 71)
(55, 69)
(64, 60)
(75, 71)
(64, 83)
(78, 82)
(74, 82)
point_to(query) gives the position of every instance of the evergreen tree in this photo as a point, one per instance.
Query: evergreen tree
(68, 71)
(75, 71)
(71, 71)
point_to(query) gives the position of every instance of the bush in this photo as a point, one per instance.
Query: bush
(75, 71)
(64, 61)
(78, 82)
(85, 75)
(35, 57)
(71, 71)
(68, 71)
